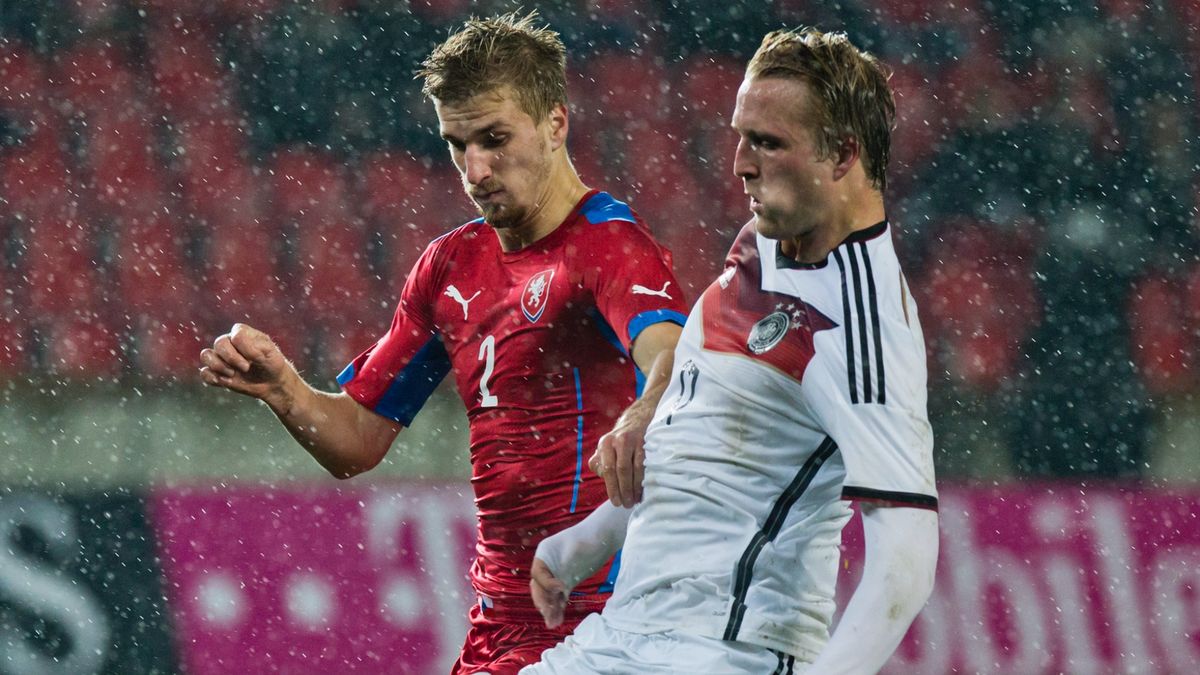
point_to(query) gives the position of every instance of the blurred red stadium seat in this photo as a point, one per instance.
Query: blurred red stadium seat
(82, 345)
(306, 185)
(1164, 341)
(151, 267)
(34, 180)
(188, 79)
(24, 82)
(60, 267)
(919, 122)
(439, 205)
(708, 85)
(218, 184)
(622, 89)
(168, 349)
(390, 185)
(95, 77)
(344, 340)
(311, 191)
(126, 171)
(978, 304)
(242, 269)
(333, 269)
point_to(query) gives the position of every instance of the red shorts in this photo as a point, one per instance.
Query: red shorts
(505, 645)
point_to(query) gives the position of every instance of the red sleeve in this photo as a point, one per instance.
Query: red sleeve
(633, 282)
(397, 374)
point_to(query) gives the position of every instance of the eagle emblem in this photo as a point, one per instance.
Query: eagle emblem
(768, 332)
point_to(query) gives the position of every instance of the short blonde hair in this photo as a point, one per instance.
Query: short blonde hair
(486, 54)
(850, 91)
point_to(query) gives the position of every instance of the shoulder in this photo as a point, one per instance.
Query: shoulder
(465, 232)
(605, 216)
(445, 245)
(604, 208)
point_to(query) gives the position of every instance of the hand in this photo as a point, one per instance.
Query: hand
(620, 457)
(549, 593)
(247, 361)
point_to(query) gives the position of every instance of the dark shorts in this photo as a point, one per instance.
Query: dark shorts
(503, 647)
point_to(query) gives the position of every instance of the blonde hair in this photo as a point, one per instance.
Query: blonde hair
(486, 54)
(851, 95)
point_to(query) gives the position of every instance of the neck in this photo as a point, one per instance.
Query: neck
(561, 193)
(815, 245)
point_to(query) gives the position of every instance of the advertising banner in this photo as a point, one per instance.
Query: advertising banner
(1041, 579)
(80, 591)
(317, 580)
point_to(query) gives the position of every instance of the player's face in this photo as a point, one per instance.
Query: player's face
(777, 158)
(502, 154)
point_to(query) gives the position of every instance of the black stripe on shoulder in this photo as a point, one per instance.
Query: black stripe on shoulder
(862, 324)
(744, 571)
(848, 328)
(873, 303)
(913, 499)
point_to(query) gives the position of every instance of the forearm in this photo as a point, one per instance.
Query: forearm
(901, 557)
(575, 553)
(658, 376)
(344, 437)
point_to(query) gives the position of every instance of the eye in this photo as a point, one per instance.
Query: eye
(455, 145)
(764, 142)
(492, 141)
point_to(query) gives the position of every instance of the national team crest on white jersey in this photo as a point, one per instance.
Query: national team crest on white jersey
(768, 332)
(535, 295)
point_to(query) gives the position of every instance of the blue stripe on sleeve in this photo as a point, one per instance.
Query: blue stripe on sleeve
(346, 375)
(610, 335)
(611, 581)
(412, 386)
(644, 320)
(578, 441)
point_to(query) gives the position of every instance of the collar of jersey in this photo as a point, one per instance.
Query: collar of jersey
(784, 262)
(551, 240)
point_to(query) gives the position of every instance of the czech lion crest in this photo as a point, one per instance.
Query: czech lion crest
(535, 295)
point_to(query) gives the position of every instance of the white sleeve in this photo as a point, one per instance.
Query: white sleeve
(575, 553)
(901, 558)
(874, 408)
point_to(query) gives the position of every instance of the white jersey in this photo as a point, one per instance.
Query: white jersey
(795, 388)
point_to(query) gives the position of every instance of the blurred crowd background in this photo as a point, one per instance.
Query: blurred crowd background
(169, 167)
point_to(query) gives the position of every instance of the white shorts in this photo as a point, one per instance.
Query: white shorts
(597, 647)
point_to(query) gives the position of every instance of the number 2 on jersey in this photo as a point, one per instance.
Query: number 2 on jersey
(487, 350)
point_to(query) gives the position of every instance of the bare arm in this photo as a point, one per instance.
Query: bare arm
(901, 558)
(342, 435)
(620, 457)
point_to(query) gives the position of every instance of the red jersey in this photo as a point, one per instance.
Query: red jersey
(539, 343)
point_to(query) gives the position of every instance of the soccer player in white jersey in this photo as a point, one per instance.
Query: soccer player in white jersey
(799, 385)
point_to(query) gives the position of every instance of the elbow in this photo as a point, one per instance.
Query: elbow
(344, 473)
(345, 470)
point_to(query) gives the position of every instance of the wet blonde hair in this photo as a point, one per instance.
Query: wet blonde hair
(851, 95)
(486, 54)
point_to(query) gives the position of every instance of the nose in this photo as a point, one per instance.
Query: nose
(744, 166)
(477, 166)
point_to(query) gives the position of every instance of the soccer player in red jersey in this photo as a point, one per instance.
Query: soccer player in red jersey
(548, 310)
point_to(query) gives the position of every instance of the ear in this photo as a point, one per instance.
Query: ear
(846, 156)
(559, 124)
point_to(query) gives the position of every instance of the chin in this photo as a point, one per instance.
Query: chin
(767, 228)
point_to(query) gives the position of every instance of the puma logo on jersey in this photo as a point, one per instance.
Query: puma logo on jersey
(639, 289)
(453, 293)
